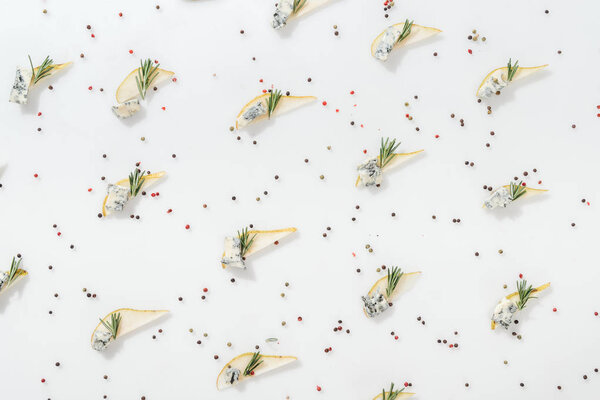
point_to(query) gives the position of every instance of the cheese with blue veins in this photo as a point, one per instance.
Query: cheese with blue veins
(20, 88)
(126, 109)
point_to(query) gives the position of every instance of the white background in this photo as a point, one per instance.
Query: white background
(149, 263)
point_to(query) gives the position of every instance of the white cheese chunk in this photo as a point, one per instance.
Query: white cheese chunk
(370, 172)
(3, 279)
(117, 197)
(504, 312)
(494, 84)
(20, 88)
(282, 13)
(499, 198)
(256, 110)
(101, 340)
(126, 109)
(375, 304)
(233, 253)
(387, 42)
(232, 374)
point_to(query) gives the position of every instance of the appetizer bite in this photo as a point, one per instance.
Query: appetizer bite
(269, 105)
(249, 365)
(505, 195)
(393, 394)
(135, 86)
(13, 275)
(120, 193)
(237, 248)
(26, 78)
(509, 305)
(380, 297)
(287, 9)
(399, 35)
(499, 78)
(370, 171)
(121, 322)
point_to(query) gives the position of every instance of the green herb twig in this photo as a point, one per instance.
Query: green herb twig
(392, 394)
(146, 75)
(386, 151)
(405, 31)
(393, 277)
(298, 4)
(254, 362)
(272, 101)
(512, 69)
(516, 190)
(136, 180)
(525, 293)
(13, 272)
(113, 325)
(245, 240)
(43, 70)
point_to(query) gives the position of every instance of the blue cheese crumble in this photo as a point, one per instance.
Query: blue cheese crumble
(387, 42)
(101, 340)
(20, 88)
(493, 85)
(233, 253)
(375, 304)
(126, 109)
(232, 375)
(499, 198)
(256, 110)
(117, 197)
(3, 279)
(504, 312)
(282, 13)
(370, 173)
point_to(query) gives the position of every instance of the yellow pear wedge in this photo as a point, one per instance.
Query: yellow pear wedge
(522, 72)
(515, 294)
(149, 180)
(21, 273)
(398, 159)
(130, 320)
(56, 68)
(406, 280)
(263, 239)
(128, 89)
(417, 33)
(529, 192)
(286, 103)
(240, 362)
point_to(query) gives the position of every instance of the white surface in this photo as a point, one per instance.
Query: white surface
(151, 262)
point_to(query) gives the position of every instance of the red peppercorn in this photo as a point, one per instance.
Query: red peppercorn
(43, 380)
(187, 227)
(318, 388)
(205, 290)
(130, 51)
(120, 14)
(299, 318)
(324, 103)
(470, 51)
(520, 276)
(169, 211)
(554, 309)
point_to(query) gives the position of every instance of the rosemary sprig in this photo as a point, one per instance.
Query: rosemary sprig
(255, 361)
(245, 240)
(146, 75)
(405, 31)
(525, 293)
(393, 277)
(386, 151)
(512, 69)
(516, 190)
(136, 180)
(272, 101)
(113, 325)
(392, 394)
(43, 70)
(13, 271)
(298, 4)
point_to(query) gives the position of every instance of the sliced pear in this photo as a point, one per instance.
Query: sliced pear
(401, 395)
(240, 362)
(149, 180)
(397, 160)
(405, 280)
(128, 89)
(263, 239)
(529, 192)
(130, 320)
(286, 103)
(56, 69)
(21, 273)
(417, 34)
(522, 72)
(514, 294)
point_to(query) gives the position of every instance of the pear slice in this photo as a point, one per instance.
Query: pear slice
(149, 180)
(130, 320)
(405, 280)
(240, 362)
(529, 192)
(263, 239)
(514, 294)
(417, 34)
(398, 159)
(286, 103)
(522, 72)
(56, 69)
(128, 89)
(401, 395)
(21, 273)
